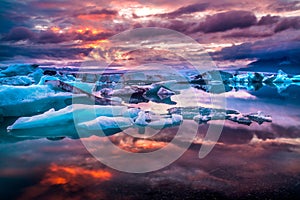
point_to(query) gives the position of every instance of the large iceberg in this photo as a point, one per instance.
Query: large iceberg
(21, 74)
(66, 115)
(30, 100)
(16, 80)
(91, 119)
(18, 70)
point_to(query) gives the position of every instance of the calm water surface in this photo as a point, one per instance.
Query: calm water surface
(260, 161)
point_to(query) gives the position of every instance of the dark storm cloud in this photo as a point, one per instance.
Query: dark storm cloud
(103, 11)
(89, 36)
(227, 20)
(21, 20)
(284, 5)
(248, 34)
(280, 45)
(43, 37)
(9, 52)
(185, 10)
(50, 37)
(178, 25)
(100, 13)
(268, 19)
(11, 16)
(18, 33)
(286, 23)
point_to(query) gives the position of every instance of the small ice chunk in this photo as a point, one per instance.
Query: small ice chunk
(141, 119)
(240, 78)
(44, 79)
(132, 113)
(259, 117)
(281, 77)
(202, 118)
(103, 123)
(152, 120)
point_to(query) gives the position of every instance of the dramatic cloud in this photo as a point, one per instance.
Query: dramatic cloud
(97, 14)
(253, 32)
(185, 10)
(9, 52)
(89, 36)
(287, 23)
(268, 19)
(18, 33)
(227, 20)
(285, 44)
(83, 24)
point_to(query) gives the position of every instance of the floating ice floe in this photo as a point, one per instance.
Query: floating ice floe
(30, 100)
(259, 117)
(16, 80)
(282, 77)
(20, 75)
(156, 92)
(66, 115)
(241, 78)
(167, 121)
(18, 70)
(90, 119)
(204, 115)
(95, 117)
(240, 120)
(250, 81)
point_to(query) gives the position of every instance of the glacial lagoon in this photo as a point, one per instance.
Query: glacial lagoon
(42, 147)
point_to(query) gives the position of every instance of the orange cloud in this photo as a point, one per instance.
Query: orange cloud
(59, 175)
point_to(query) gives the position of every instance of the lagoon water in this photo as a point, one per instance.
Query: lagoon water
(259, 160)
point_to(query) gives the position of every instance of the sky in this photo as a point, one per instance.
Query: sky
(233, 32)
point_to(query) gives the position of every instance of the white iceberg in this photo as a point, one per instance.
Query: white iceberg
(142, 119)
(103, 123)
(174, 119)
(150, 120)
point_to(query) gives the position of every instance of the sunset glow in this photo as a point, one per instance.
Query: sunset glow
(221, 27)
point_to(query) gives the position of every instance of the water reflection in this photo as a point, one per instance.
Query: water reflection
(256, 161)
(240, 164)
(219, 88)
